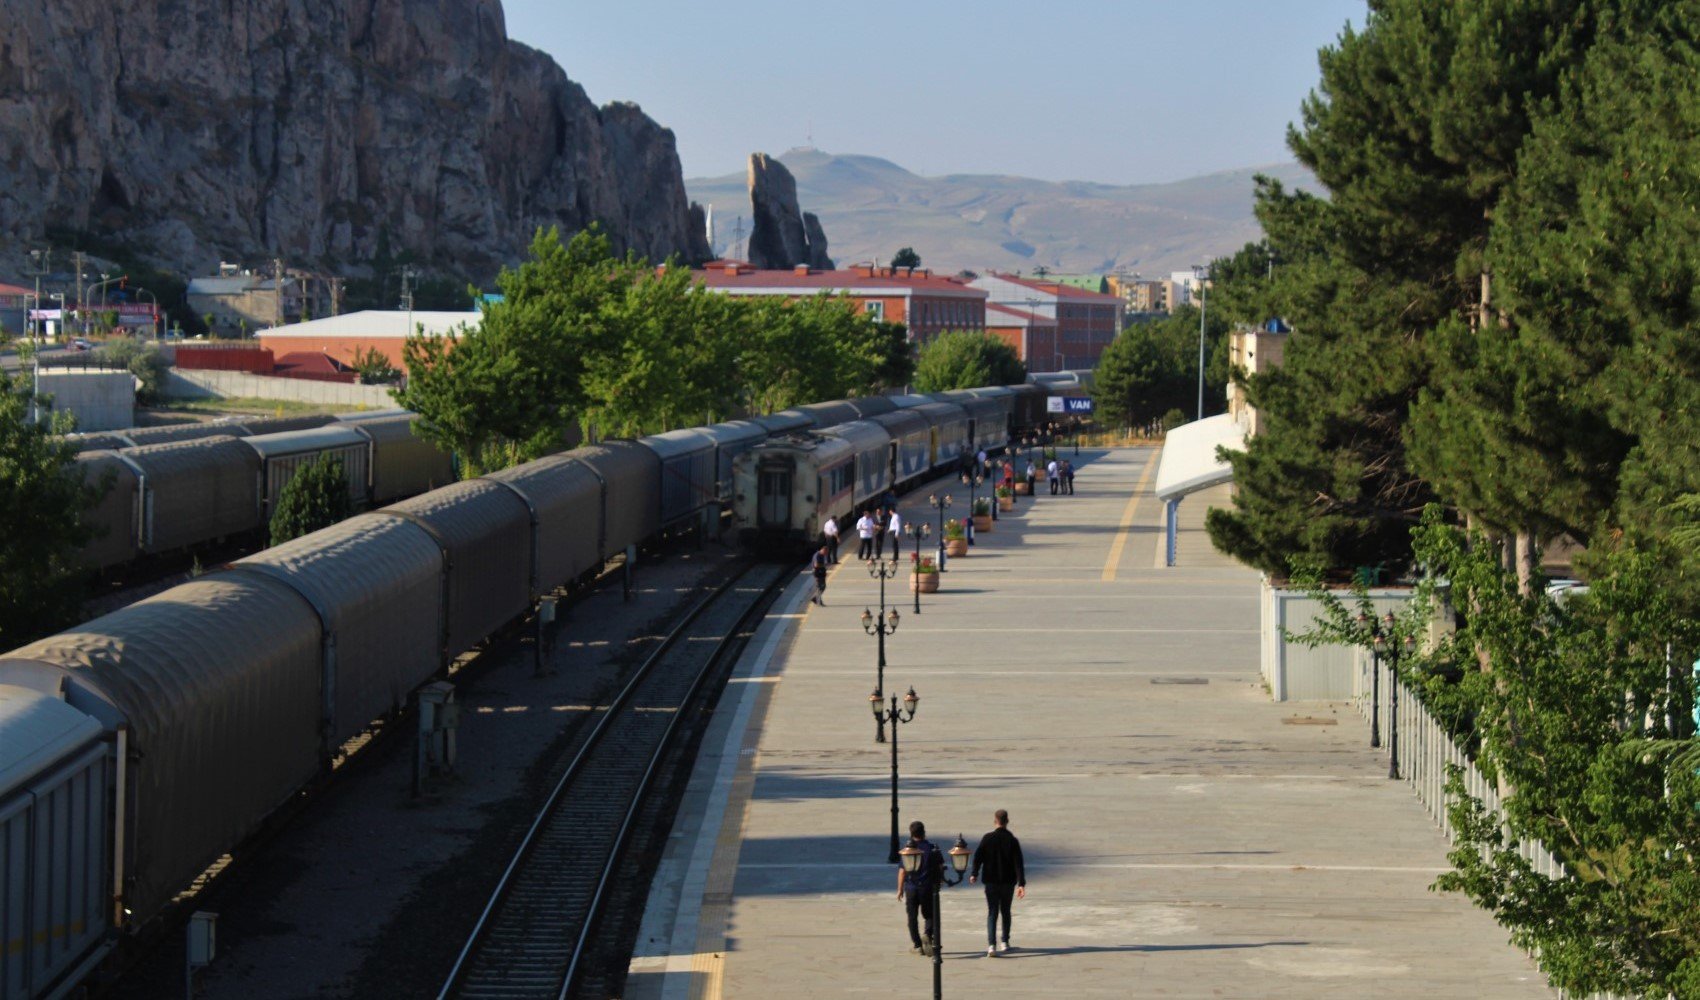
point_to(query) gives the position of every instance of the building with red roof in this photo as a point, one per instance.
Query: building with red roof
(1033, 336)
(926, 303)
(1085, 321)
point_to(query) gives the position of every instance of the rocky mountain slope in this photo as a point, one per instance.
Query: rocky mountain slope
(873, 207)
(198, 130)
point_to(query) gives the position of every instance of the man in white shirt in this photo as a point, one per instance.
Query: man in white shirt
(894, 528)
(1051, 474)
(865, 530)
(830, 530)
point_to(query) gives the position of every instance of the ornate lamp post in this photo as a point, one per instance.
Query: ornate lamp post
(972, 480)
(917, 532)
(940, 504)
(882, 625)
(1384, 638)
(911, 701)
(911, 858)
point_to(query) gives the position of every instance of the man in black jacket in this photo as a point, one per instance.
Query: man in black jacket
(917, 890)
(999, 854)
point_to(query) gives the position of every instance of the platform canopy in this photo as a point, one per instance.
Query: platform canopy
(1189, 461)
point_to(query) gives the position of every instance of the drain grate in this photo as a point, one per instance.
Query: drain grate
(1308, 720)
(1180, 680)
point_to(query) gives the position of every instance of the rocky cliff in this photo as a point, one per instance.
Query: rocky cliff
(198, 130)
(781, 235)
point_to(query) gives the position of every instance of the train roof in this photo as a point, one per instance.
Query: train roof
(784, 421)
(311, 439)
(40, 728)
(672, 444)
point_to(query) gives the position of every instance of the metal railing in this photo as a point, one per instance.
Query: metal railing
(1426, 751)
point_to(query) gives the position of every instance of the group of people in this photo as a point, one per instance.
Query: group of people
(873, 529)
(1059, 471)
(998, 866)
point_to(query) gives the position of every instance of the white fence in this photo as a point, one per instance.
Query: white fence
(196, 384)
(1424, 753)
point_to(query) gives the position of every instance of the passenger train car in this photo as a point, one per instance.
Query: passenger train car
(137, 748)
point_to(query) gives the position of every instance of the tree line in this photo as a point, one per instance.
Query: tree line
(1494, 357)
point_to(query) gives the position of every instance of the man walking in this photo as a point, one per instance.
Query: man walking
(830, 530)
(819, 564)
(894, 528)
(879, 534)
(1068, 477)
(917, 890)
(999, 855)
(1052, 476)
(1032, 480)
(865, 529)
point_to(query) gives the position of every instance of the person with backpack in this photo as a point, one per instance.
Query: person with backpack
(998, 859)
(917, 890)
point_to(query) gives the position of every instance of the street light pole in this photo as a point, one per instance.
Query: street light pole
(940, 504)
(911, 702)
(917, 534)
(38, 265)
(1203, 275)
(972, 481)
(912, 861)
(881, 625)
(1385, 638)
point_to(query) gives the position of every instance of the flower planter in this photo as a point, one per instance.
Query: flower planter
(1021, 489)
(926, 583)
(1006, 503)
(956, 547)
(982, 523)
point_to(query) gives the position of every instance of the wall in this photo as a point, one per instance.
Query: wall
(100, 400)
(181, 384)
(343, 348)
(1295, 672)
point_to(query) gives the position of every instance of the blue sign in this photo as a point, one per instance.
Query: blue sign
(1074, 405)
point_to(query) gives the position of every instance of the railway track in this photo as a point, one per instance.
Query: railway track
(537, 931)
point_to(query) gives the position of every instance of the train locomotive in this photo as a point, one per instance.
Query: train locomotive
(139, 747)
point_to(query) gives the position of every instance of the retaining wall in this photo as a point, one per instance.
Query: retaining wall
(181, 384)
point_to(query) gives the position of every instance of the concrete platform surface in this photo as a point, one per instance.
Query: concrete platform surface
(1185, 837)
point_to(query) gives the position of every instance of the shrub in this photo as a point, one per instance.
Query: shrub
(953, 529)
(983, 506)
(317, 497)
(926, 565)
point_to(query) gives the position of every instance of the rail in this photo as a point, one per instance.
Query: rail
(555, 844)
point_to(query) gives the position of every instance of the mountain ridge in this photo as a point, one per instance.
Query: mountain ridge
(872, 206)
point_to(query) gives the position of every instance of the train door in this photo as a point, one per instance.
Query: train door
(773, 495)
(932, 447)
(896, 462)
(971, 436)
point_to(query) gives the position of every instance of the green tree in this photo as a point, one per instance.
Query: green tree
(315, 497)
(812, 349)
(896, 366)
(906, 257)
(144, 361)
(43, 495)
(1415, 131)
(374, 366)
(510, 389)
(967, 359)
(1152, 367)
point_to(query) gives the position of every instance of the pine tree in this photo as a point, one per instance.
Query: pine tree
(315, 497)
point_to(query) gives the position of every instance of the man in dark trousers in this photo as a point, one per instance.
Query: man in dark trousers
(819, 564)
(916, 891)
(998, 858)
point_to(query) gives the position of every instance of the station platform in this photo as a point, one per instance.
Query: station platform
(1184, 836)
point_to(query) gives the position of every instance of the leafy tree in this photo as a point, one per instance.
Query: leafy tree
(896, 366)
(809, 350)
(967, 359)
(509, 390)
(906, 257)
(1152, 367)
(315, 497)
(374, 366)
(141, 360)
(43, 496)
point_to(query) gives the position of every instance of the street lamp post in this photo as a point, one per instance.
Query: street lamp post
(881, 625)
(911, 858)
(906, 714)
(940, 504)
(917, 533)
(1384, 638)
(38, 266)
(972, 480)
(1202, 273)
(154, 325)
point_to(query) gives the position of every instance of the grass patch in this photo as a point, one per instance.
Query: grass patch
(254, 406)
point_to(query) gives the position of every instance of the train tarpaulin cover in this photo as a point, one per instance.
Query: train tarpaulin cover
(567, 499)
(197, 490)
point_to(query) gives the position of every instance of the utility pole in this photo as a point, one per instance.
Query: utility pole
(407, 276)
(277, 292)
(82, 328)
(39, 260)
(336, 296)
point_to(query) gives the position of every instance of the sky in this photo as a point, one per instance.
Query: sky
(1114, 91)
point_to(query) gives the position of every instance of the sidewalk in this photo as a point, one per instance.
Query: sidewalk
(1185, 837)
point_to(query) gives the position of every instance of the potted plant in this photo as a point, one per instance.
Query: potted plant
(1006, 498)
(983, 514)
(925, 579)
(955, 538)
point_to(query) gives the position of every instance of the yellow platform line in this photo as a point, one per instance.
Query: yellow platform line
(1128, 515)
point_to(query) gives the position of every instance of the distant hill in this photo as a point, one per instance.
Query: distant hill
(871, 207)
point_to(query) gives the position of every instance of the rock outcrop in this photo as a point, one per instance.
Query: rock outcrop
(781, 236)
(315, 129)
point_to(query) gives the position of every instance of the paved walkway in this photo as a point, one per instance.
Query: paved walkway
(1185, 836)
